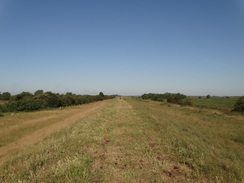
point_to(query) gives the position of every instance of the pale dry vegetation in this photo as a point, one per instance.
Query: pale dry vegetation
(130, 140)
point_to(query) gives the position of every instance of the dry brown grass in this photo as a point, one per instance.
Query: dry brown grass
(130, 140)
(21, 130)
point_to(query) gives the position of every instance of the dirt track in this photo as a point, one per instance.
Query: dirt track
(61, 121)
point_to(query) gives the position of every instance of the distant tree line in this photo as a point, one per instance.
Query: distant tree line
(181, 99)
(27, 101)
(175, 98)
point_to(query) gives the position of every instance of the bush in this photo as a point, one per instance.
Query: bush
(38, 92)
(186, 101)
(67, 100)
(23, 95)
(239, 106)
(208, 96)
(25, 105)
(26, 101)
(5, 96)
(3, 108)
(1, 115)
(175, 98)
(51, 100)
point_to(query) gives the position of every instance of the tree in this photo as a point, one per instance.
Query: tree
(23, 95)
(101, 94)
(67, 100)
(5, 96)
(208, 96)
(38, 92)
(27, 104)
(51, 100)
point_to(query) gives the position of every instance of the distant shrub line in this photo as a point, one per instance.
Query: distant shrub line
(182, 99)
(175, 98)
(26, 101)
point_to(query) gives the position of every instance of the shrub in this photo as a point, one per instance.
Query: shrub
(38, 92)
(5, 96)
(23, 95)
(25, 105)
(239, 106)
(3, 108)
(171, 97)
(208, 96)
(186, 101)
(26, 101)
(176, 98)
(67, 100)
(101, 94)
(51, 100)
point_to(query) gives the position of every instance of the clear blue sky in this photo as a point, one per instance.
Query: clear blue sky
(128, 47)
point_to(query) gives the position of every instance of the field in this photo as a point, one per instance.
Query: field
(222, 103)
(123, 140)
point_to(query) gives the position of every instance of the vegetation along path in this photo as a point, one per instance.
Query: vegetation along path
(132, 140)
(28, 129)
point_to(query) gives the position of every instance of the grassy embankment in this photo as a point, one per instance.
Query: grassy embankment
(138, 141)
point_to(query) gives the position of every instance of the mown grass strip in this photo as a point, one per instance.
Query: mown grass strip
(136, 141)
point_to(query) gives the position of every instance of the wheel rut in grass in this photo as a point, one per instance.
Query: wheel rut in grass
(58, 122)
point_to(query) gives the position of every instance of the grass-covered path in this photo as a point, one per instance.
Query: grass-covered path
(130, 140)
(19, 132)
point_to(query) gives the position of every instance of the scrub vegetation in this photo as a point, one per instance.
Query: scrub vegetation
(135, 140)
(40, 100)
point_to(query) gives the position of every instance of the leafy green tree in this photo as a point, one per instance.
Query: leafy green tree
(5, 96)
(101, 94)
(67, 100)
(27, 104)
(38, 92)
(69, 93)
(208, 96)
(3, 108)
(51, 100)
(23, 95)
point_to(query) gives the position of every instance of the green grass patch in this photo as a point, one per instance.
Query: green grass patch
(215, 102)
